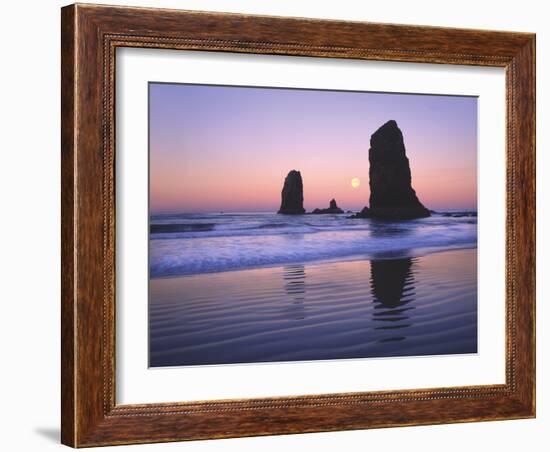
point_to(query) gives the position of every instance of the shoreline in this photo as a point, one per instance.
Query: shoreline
(411, 253)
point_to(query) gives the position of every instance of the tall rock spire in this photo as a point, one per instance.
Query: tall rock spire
(391, 192)
(292, 195)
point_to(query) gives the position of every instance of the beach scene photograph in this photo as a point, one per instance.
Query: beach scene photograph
(291, 225)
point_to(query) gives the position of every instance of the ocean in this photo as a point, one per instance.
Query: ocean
(230, 288)
(189, 244)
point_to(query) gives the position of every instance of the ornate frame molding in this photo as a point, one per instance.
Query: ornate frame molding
(90, 37)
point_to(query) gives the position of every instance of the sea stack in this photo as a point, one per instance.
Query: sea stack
(365, 213)
(292, 195)
(332, 208)
(391, 194)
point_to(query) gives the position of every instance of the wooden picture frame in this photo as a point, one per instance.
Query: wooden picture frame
(90, 36)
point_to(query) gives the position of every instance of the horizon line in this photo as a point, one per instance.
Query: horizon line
(218, 211)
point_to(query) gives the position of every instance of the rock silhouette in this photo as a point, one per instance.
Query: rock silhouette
(333, 208)
(292, 195)
(365, 213)
(392, 196)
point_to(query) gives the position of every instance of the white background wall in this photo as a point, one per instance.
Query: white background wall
(30, 186)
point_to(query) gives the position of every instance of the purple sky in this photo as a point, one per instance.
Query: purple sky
(218, 148)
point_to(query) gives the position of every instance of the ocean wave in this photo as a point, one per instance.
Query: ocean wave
(180, 227)
(459, 214)
(260, 242)
(273, 225)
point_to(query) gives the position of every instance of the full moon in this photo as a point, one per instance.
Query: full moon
(355, 182)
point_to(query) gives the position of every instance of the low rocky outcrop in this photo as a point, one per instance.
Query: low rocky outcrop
(292, 195)
(391, 194)
(333, 208)
(365, 213)
(459, 214)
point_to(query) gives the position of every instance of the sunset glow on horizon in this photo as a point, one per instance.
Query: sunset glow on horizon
(221, 148)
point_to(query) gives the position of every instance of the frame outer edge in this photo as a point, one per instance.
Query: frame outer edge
(86, 418)
(525, 62)
(68, 242)
(534, 225)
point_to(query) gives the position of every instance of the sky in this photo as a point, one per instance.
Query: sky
(223, 148)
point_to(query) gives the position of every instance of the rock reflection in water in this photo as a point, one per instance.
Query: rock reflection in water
(295, 286)
(392, 288)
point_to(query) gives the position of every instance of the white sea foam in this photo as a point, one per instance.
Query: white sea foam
(206, 243)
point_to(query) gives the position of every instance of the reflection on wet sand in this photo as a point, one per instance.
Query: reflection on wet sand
(295, 286)
(331, 310)
(392, 288)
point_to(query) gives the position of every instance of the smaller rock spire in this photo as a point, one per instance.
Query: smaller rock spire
(292, 195)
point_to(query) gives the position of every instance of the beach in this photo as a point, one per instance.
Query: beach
(403, 293)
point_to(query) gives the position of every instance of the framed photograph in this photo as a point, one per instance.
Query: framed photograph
(282, 225)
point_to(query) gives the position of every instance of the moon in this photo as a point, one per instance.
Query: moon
(355, 182)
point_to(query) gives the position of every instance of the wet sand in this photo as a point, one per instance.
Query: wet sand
(327, 310)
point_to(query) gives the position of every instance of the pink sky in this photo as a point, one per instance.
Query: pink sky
(227, 149)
